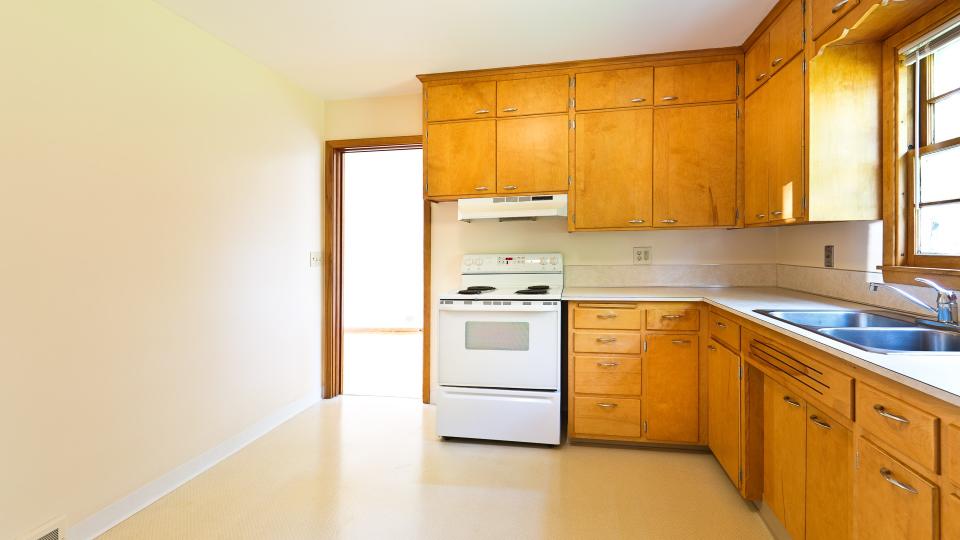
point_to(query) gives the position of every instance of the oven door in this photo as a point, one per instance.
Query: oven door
(507, 346)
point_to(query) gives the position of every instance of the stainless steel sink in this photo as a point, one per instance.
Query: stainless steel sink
(887, 340)
(836, 319)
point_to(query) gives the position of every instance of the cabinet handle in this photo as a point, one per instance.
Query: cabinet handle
(816, 420)
(791, 402)
(606, 315)
(761, 216)
(839, 5)
(481, 111)
(761, 76)
(606, 405)
(606, 339)
(608, 364)
(776, 62)
(776, 213)
(887, 475)
(711, 348)
(638, 100)
(510, 109)
(721, 325)
(680, 341)
(668, 221)
(669, 98)
(882, 411)
(510, 187)
(671, 317)
(481, 188)
(636, 221)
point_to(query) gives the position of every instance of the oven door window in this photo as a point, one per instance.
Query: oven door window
(497, 336)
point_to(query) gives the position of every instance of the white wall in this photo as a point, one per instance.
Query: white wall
(159, 195)
(393, 116)
(858, 244)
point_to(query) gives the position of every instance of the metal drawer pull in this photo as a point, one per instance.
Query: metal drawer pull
(671, 317)
(721, 325)
(606, 315)
(481, 188)
(761, 76)
(791, 402)
(839, 6)
(510, 109)
(680, 341)
(608, 364)
(887, 475)
(776, 62)
(481, 111)
(636, 221)
(776, 213)
(606, 339)
(607, 405)
(510, 187)
(669, 98)
(816, 420)
(638, 100)
(882, 411)
(668, 221)
(711, 348)
(761, 216)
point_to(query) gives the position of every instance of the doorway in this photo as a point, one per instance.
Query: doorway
(376, 247)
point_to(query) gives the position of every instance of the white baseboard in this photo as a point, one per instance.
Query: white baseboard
(100, 522)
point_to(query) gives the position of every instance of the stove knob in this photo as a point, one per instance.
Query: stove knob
(553, 260)
(479, 262)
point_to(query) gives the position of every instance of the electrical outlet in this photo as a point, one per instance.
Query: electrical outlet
(643, 255)
(828, 256)
(315, 259)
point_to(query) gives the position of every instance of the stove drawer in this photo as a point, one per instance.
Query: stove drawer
(608, 317)
(607, 417)
(609, 375)
(587, 341)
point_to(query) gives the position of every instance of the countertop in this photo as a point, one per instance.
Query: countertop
(937, 375)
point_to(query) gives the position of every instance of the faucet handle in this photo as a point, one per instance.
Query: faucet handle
(952, 295)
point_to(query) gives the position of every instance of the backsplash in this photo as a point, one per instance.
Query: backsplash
(851, 285)
(671, 275)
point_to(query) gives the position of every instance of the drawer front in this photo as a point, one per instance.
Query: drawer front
(608, 318)
(612, 375)
(903, 426)
(611, 417)
(461, 101)
(827, 12)
(725, 331)
(673, 319)
(695, 83)
(538, 95)
(614, 89)
(893, 502)
(952, 458)
(607, 342)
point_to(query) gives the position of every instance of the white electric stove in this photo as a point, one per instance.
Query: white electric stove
(499, 355)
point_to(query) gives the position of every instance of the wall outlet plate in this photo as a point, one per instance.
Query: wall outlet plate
(315, 259)
(643, 255)
(828, 256)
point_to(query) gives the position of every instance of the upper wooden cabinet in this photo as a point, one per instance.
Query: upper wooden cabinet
(461, 158)
(614, 89)
(757, 63)
(461, 101)
(614, 155)
(826, 12)
(775, 47)
(695, 166)
(695, 83)
(535, 95)
(532, 154)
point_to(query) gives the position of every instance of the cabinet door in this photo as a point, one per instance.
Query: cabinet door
(461, 158)
(614, 169)
(532, 155)
(671, 388)
(537, 95)
(827, 12)
(756, 157)
(829, 504)
(695, 83)
(757, 63)
(723, 408)
(614, 89)
(786, 36)
(784, 455)
(893, 502)
(461, 101)
(950, 527)
(695, 166)
(786, 137)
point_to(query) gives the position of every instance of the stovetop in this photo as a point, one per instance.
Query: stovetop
(535, 292)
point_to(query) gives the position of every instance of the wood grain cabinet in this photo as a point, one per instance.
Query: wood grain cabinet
(824, 13)
(784, 456)
(532, 155)
(461, 158)
(950, 527)
(671, 393)
(695, 83)
(614, 89)
(534, 95)
(461, 101)
(695, 166)
(829, 482)
(723, 407)
(776, 47)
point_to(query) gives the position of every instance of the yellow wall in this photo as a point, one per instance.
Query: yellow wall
(159, 195)
(393, 116)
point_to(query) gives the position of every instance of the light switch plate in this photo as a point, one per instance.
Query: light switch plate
(643, 255)
(315, 259)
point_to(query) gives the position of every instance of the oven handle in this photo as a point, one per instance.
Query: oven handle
(499, 309)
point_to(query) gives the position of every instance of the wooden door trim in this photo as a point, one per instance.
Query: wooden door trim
(332, 325)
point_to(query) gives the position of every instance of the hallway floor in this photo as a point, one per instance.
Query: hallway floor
(368, 467)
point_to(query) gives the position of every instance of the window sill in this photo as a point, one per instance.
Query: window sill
(907, 274)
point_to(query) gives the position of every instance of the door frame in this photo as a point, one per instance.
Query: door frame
(332, 326)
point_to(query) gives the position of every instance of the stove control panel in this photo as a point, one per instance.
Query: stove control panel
(512, 263)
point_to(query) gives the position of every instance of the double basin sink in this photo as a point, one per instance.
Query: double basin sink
(873, 331)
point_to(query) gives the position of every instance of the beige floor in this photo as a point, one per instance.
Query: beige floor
(367, 467)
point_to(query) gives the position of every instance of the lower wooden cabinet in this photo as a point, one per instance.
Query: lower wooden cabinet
(723, 408)
(784, 456)
(829, 482)
(671, 412)
(893, 502)
(610, 417)
(950, 522)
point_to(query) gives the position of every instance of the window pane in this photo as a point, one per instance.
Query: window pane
(938, 230)
(946, 119)
(946, 69)
(939, 177)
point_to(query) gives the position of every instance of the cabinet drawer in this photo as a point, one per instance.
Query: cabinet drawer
(614, 89)
(607, 375)
(613, 417)
(537, 95)
(826, 12)
(608, 318)
(893, 502)
(461, 101)
(725, 331)
(952, 459)
(607, 342)
(905, 427)
(695, 83)
(673, 319)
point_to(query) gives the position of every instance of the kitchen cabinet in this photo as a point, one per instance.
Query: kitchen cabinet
(723, 407)
(776, 47)
(535, 95)
(893, 502)
(614, 89)
(695, 166)
(671, 374)
(757, 62)
(609, 417)
(462, 101)
(829, 482)
(904, 426)
(461, 158)
(608, 375)
(614, 169)
(695, 83)
(532, 155)
(826, 12)
(951, 516)
(784, 456)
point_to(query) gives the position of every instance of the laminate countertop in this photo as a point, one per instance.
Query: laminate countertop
(937, 374)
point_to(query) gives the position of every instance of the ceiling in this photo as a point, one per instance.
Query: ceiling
(361, 48)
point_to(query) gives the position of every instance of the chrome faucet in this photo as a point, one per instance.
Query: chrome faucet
(947, 309)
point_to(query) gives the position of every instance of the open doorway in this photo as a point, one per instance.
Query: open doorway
(376, 247)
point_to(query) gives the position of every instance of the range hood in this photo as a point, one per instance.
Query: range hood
(528, 207)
